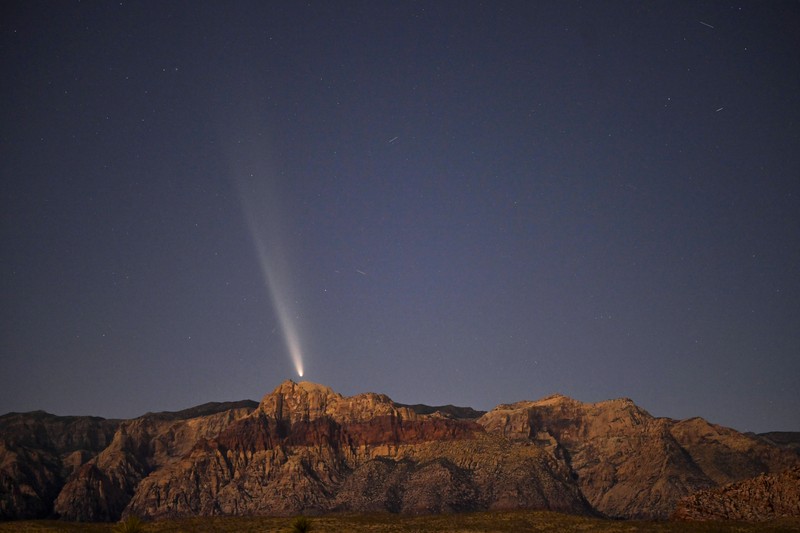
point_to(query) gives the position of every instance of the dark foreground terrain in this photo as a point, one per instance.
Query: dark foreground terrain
(516, 521)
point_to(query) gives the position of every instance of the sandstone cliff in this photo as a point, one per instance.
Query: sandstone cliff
(766, 497)
(630, 464)
(102, 487)
(309, 449)
(86, 468)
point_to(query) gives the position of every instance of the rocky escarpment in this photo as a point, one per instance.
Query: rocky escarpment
(630, 464)
(38, 452)
(102, 487)
(307, 448)
(86, 468)
(763, 498)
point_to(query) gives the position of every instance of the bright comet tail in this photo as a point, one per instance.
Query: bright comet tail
(276, 281)
(263, 213)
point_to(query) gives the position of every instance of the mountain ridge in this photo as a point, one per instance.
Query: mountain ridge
(307, 448)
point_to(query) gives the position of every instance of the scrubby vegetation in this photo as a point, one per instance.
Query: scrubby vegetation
(132, 524)
(302, 524)
(511, 521)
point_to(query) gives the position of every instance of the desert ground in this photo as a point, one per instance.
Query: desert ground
(516, 521)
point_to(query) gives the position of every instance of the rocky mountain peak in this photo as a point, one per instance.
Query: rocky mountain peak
(306, 402)
(306, 387)
(555, 399)
(293, 402)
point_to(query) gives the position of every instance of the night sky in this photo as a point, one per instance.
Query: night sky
(447, 202)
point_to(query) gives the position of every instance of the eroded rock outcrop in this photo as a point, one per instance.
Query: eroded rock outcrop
(765, 497)
(102, 487)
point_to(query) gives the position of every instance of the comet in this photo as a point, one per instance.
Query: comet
(280, 302)
(266, 223)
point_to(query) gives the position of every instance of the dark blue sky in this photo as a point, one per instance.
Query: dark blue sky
(455, 202)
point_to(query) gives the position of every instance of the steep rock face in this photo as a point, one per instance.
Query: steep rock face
(766, 497)
(101, 489)
(38, 451)
(628, 463)
(309, 449)
(725, 455)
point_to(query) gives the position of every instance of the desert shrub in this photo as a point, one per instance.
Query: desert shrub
(301, 524)
(132, 524)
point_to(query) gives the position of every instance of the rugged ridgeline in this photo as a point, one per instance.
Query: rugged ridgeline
(306, 448)
(87, 468)
(38, 452)
(629, 464)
